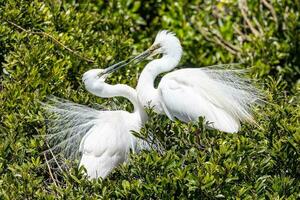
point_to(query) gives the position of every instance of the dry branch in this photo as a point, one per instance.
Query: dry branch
(44, 34)
(210, 37)
(49, 169)
(244, 8)
(272, 10)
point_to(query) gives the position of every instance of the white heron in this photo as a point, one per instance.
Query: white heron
(104, 138)
(221, 96)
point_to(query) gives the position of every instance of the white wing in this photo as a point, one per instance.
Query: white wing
(102, 138)
(221, 96)
(107, 144)
(67, 124)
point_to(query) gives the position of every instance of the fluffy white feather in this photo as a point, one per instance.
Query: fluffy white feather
(101, 140)
(222, 96)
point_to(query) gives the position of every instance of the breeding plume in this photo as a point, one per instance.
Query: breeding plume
(103, 138)
(221, 96)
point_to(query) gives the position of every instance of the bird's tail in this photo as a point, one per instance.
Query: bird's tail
(237, 94)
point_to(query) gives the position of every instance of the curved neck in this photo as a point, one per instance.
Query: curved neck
(120, 90)
(152, 70)
(161, 65)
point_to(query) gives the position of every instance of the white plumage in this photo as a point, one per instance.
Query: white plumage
(108, 142)
(219, 95)
(222, 96)
(103, 139)
(196, 93)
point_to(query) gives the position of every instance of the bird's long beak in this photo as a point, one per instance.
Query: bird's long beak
(149, 52)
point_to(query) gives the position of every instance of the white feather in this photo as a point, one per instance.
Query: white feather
(103, 139)
(222, 96)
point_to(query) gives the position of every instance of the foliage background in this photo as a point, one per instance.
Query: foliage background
(257, 163)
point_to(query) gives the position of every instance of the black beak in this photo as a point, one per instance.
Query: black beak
(130, 60)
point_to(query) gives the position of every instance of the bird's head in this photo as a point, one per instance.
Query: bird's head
(94, 79)
(94, 75)
(165, 43)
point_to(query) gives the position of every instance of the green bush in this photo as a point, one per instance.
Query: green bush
(258, 162)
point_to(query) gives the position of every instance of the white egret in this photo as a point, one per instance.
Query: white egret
(219, 95)
(103, 138)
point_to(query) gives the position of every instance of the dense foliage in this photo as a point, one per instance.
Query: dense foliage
(259, 162)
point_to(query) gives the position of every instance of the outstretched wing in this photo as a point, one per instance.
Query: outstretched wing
(67, 124)
(220, 95)
(101, 138)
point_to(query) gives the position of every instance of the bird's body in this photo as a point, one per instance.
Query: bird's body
(104, 138)
(108, 142)
(187, 94)
(219, 95)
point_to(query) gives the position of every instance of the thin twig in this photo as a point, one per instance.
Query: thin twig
(52, 38)
(216, 40)
(228, 44)
(239, 32)
(16, 25)
(50, 172)
(55, 159)
(258, 25)
(243, 7)
(272, 10)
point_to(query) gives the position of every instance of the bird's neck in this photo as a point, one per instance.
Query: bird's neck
(122, 90)
(131, 94)
(147, 93)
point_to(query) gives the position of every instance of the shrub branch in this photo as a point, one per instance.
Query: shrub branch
(218, 40)
(272, 10)
(49, 169)
(244, 8)
(56, 41)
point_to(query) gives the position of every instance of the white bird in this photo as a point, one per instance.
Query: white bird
(219, 95)
(104, 138)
